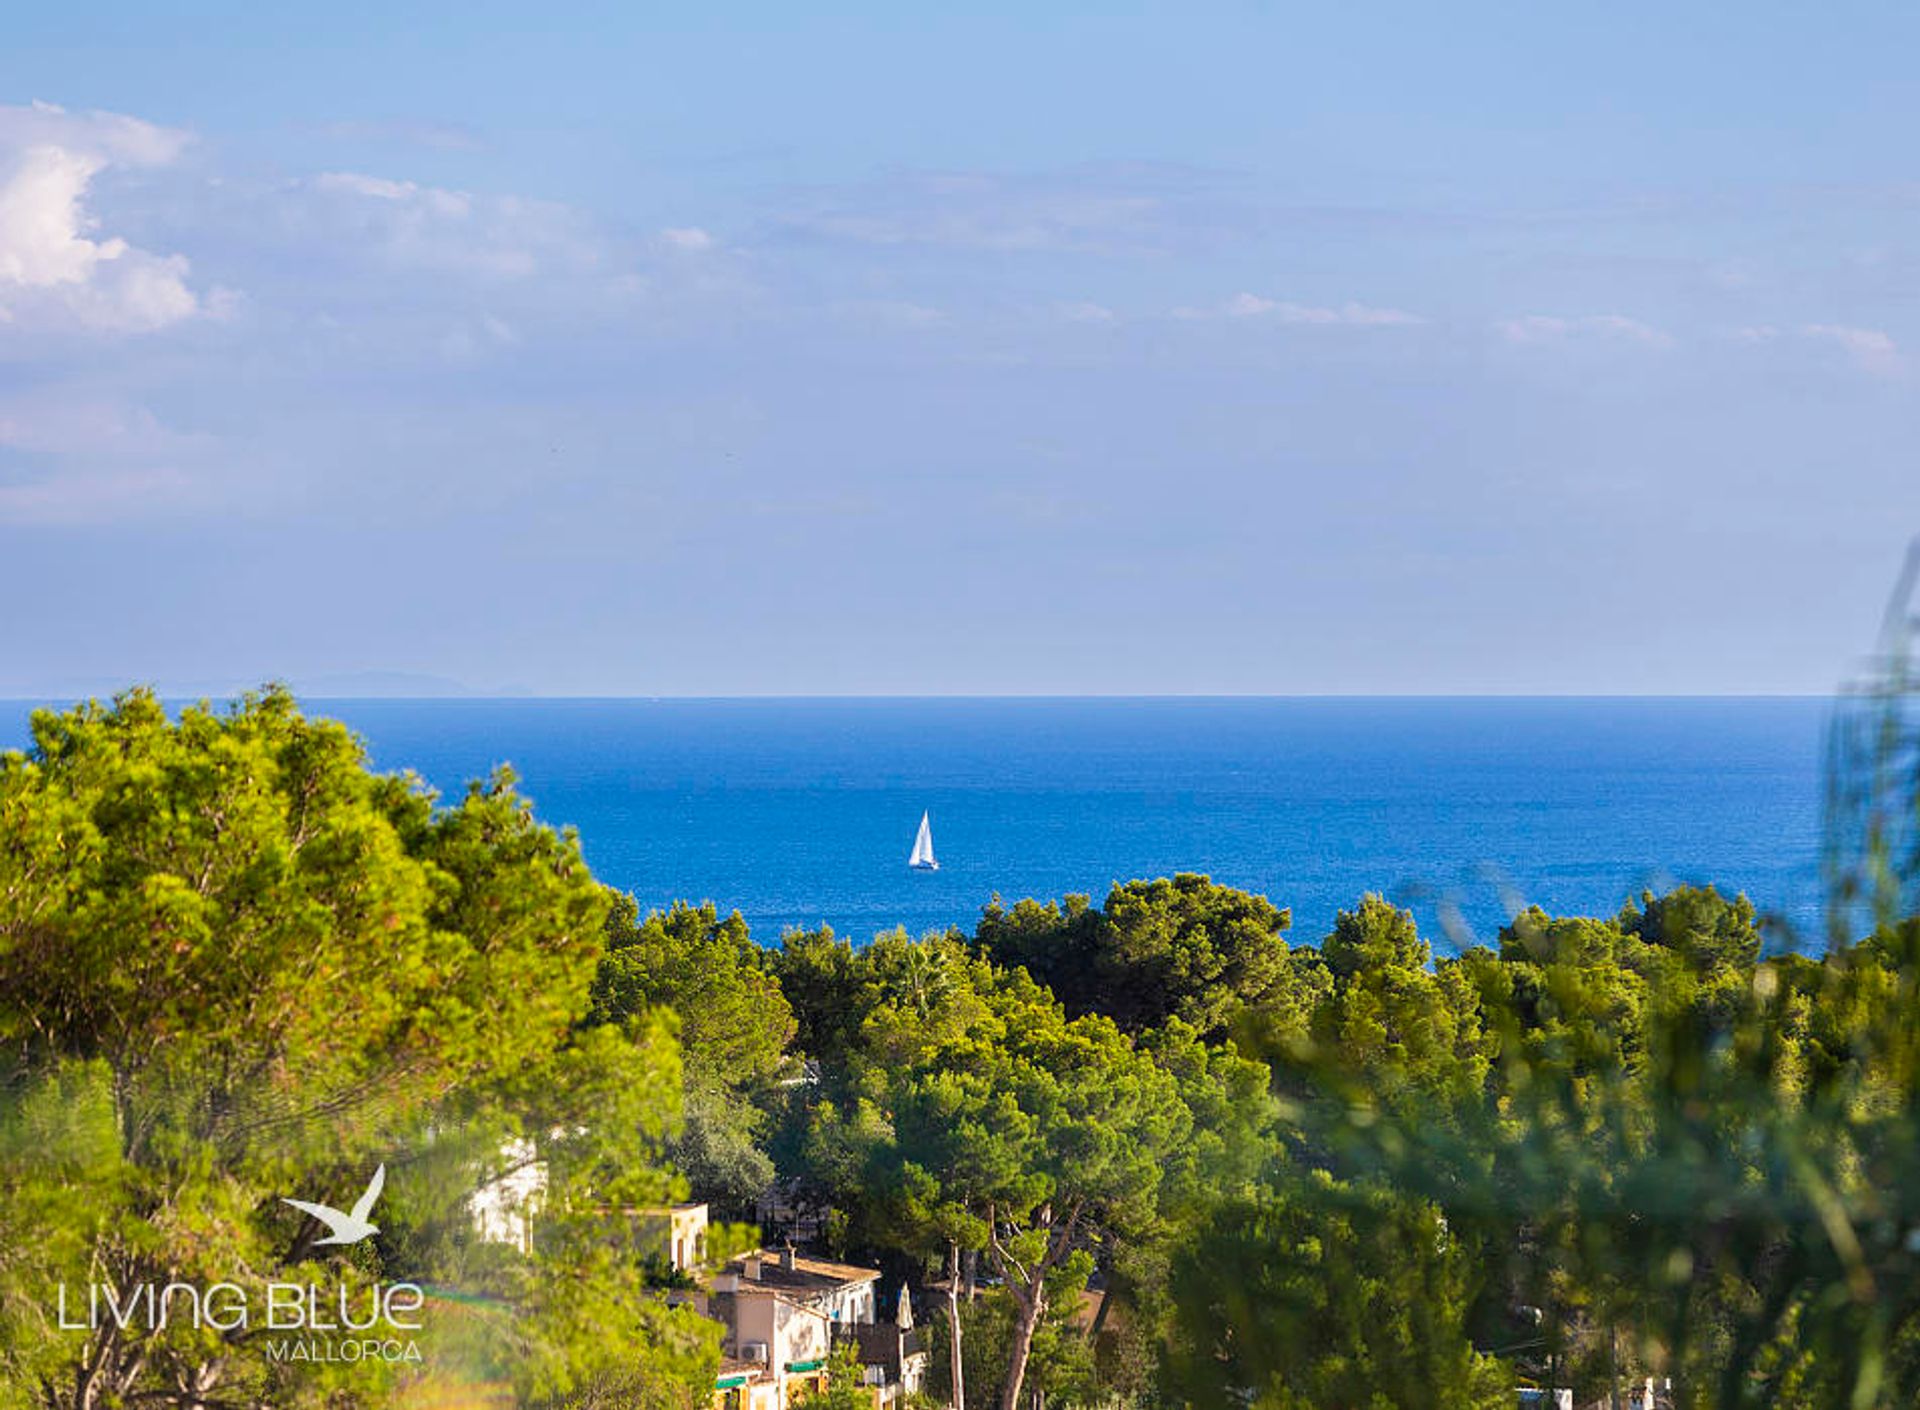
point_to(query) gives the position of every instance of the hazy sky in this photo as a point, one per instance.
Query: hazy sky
(1041, 348)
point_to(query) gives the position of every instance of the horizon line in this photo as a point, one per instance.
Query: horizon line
(776, 697)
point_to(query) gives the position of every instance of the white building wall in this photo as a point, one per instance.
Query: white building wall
(503, 1210)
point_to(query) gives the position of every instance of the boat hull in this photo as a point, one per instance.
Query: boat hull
(923, 866)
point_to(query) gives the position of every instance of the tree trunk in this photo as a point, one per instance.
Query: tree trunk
(1613, 1366)
(953, 1326)
(1033, 1305)
(1100, 1316)
(1029, 1289)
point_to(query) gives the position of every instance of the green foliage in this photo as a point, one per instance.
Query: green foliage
(835, 990)
(821, 977)
(1389, 1022)
(1182, 948)
(1061, 1363)
(735, 1028)
(235, 965)
(1704, 931)
(1323, 1294)
(976, 1114)
(840, 1388)
(1696, 1163)
(735, 1023)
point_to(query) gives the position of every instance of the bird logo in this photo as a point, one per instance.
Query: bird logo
(351, 1227)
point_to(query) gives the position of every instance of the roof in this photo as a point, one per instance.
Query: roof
(661, 1211)
(734, 1371)
(809, 1277)
(882, 1344)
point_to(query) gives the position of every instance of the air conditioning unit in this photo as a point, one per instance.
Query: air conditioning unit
(754, 1351)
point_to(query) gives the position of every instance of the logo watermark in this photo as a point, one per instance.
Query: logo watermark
(353, 1226)
(314, 1323)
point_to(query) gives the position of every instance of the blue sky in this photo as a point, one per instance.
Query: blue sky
(838, 349)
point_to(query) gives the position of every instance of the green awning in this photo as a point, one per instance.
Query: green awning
(812, 1365)
(729, 1382)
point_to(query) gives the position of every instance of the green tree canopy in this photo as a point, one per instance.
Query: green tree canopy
(735, 1028)
(236, 965)
(1321, 1294)
(980, 1115)
(1174, 948)
(1391, 1022)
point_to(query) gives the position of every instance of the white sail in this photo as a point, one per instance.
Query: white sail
(922, 857)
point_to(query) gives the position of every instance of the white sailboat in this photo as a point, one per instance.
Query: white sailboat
(922, 858)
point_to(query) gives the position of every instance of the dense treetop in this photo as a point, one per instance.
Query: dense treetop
(1159, 1151)
(1174, 948)
(236, 965)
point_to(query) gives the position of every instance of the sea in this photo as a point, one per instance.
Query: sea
(800, 813)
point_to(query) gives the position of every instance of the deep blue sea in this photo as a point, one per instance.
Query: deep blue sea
(798, 812)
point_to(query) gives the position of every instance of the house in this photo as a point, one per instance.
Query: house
(838, 1292)
(744, 1385)
(783, 1313)
(504, 1208)
(893, 1355)
(780, 1312)
(676, 1234)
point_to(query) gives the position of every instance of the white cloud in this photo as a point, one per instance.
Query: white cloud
(111, 137)
(1248, 306)
(1077, 212)
(1735, 274)
(90, 459)
(55, 269)
(1545, 328)
(379, 188)
(435, 227)
(93, 497)
(1085, 311)
(1871, 349)
(686, 237)
(471, 339)
(69, 426)
(1346, 315)
(897, 313)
